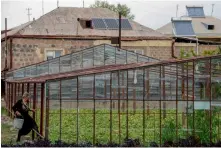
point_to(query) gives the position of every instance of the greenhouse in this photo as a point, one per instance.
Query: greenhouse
(105, 94)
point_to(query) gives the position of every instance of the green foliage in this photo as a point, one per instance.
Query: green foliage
(125, 11)
(216, 90)
(169, 129)
(210, 52)
(188, 54)
(135, 125)
(193, 53)
(202, 124)
(184, 55)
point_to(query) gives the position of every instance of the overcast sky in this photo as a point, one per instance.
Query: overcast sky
(153, 14)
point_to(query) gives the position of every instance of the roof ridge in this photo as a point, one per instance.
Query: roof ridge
(31, 22)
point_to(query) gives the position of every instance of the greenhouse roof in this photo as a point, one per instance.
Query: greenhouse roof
(108, 68)
(96, 56)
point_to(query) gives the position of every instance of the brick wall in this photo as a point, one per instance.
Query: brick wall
(2, 55)
(30, 51)
(159, 52)
(160, 49)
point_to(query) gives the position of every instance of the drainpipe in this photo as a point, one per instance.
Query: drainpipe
(119, 39)
(173, 48)
(6, 47)
(197, 48)
(11, 54)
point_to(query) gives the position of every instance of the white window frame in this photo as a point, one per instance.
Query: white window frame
(52, 50)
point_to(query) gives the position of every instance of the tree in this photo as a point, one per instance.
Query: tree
(125, 11)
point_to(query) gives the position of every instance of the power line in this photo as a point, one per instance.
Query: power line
(29, 14)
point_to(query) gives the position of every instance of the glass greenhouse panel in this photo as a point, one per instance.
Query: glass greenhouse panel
(65, 63)
(99, 55)
(77, 60)
(109, 55)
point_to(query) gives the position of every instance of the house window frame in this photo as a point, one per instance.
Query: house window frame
(52, 50)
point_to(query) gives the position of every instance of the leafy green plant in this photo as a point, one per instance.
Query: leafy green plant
(169, 130)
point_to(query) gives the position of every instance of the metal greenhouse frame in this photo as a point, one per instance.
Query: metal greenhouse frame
(149, 101)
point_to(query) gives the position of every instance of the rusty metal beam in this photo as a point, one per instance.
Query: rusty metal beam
(86, 37)
(42, 108)
(34, 106)
(11, 54)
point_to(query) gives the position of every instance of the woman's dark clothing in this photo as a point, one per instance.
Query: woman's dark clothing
(29, 122)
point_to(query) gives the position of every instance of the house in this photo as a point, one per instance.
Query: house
(67, 29)
(196, 31)
(206, 28)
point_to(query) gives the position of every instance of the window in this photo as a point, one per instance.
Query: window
(88, 24)
(53, 54)
(210, 27)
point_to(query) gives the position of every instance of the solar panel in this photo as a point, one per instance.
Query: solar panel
(125, 24)
(98, 23)
(111, 23)
(195, 12)
(183, 28)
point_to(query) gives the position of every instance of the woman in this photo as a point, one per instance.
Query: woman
(21, 110)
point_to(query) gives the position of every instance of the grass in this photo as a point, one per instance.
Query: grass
(8, 133)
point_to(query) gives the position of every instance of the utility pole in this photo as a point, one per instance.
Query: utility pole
(83, 3)
(29, 13)
(212, 9)
(57, 3)
(6, 45)
(177, 7)
(42, 7)
(119, 39)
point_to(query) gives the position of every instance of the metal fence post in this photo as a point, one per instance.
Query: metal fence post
(193, 97)
(144, 118)
(119, 110)
(94, 111)
(210, 84)
(34, 106)
(77, 109)
(47, 111)
(176, 101)
(60, 107)
(111, 107)
(42, 108)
